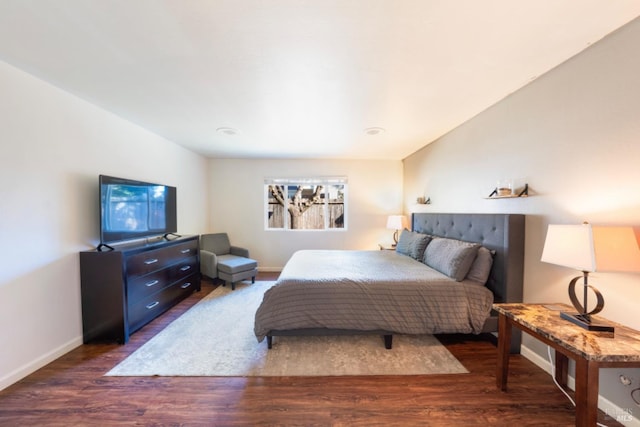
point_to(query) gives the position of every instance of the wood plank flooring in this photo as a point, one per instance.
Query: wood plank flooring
(73, 391)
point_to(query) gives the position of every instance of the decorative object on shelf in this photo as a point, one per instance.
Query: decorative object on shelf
(423, 200)
(590, 249)
(505, 188)
(508, 193)
(397, 222)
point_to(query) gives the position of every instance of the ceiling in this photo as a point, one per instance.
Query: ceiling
(299, 78)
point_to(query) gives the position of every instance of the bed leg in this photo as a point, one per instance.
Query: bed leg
(388, 341)
(269, 341)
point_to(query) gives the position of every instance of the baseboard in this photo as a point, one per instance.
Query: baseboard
(29, 368)
(270, 269)
(615, 412)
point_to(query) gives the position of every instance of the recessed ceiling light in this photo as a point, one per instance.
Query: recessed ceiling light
(227, 131)
(374, 131)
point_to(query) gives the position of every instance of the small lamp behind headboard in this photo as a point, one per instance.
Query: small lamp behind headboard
(397, 222)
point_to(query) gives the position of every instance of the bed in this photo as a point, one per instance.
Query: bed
(392, 292)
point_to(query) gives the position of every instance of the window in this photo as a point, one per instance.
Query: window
(305, 203)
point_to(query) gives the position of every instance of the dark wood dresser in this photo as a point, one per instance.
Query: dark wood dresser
(125, 288)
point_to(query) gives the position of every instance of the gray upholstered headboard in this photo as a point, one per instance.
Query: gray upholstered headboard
(503, 233)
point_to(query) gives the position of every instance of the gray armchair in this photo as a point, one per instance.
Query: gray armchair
(219, 259)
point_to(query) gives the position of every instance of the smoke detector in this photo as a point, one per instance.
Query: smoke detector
(374, 131)
(227, 131)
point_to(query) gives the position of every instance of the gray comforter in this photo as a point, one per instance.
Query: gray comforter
(369, 291)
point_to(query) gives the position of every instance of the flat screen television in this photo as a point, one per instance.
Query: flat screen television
(132, 209)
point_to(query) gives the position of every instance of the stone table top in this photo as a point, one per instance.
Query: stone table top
(623, 345)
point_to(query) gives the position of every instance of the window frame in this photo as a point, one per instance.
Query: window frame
(288, 183)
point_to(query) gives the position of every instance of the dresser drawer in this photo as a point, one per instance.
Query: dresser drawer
(156, 259)
(153, 305)
(141, 286)
(184, 250)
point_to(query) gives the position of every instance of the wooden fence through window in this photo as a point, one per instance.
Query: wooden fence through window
(312, 218)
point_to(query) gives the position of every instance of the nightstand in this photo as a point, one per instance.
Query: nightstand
(386, 247)
(589, 349)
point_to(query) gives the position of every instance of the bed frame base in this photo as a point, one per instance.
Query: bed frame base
(386, 335)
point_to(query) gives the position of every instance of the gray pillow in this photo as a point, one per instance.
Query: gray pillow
(481, 267)
(412, 244)
(451, 257)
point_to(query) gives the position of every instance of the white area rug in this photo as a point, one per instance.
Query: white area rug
(215, 338)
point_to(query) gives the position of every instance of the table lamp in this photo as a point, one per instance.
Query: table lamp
(590, 249)
(397, 222)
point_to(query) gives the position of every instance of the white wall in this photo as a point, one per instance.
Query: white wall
(574, 136)
(53, 147)
(237, 205)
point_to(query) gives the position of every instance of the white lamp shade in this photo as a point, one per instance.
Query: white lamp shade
(397, 222)
(588, 248)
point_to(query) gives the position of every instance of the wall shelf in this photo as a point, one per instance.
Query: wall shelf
(523, 193)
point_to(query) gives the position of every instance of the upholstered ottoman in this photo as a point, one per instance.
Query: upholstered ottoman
(233, 268)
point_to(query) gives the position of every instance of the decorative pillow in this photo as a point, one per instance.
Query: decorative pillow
(481, 267)
(412, 244)
(451, 257)
(404, 242)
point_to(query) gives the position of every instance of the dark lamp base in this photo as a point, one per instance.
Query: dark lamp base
(585, 322)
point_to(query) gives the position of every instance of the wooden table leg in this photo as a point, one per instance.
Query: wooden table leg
(562, 368)
(586, 392)
(504, 343)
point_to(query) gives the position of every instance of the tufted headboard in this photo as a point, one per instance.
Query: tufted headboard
(503, 233)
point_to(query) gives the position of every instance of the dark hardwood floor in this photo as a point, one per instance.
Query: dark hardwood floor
(73, 391)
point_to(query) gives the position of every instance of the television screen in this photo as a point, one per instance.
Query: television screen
(134, 209)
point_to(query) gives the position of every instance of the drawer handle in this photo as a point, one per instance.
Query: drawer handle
(185, 268)
(153, 304)
(151, 261)
(185, 251)
(186, 285)
(152, 283)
